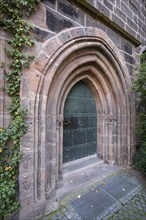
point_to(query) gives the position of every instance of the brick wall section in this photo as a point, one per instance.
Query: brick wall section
(61, 14)
(129, 14)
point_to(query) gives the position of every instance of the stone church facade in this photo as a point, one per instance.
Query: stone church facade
(95, 44)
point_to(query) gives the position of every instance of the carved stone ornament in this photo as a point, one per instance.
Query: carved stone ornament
(59, 121)
(48, 189)
(111, 120)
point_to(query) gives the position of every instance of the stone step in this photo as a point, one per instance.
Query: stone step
(81, 173)
(80, 164)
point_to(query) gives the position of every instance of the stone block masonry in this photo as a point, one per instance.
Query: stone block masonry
(81, 53)
(63, 14)
(94, 41)
(126, 13)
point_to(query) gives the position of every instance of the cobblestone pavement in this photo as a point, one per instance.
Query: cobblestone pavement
(131, 206)
(134, 208)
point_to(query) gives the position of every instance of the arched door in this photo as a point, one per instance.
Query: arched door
(80, 123)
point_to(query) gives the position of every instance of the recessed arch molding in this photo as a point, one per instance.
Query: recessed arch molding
(85, 54)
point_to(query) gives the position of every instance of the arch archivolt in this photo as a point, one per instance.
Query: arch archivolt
(77, 54)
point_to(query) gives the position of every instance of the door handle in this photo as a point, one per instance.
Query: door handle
(66, 123)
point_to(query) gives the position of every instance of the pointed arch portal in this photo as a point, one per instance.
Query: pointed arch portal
(76, 55)
(79, 124)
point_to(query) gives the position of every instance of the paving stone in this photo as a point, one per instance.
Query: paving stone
(59, 217)
(142, 201)
(58, 213)
(120, 217)
(139, 207)
(124, 208)
(126, 215)
(65, 218)
(54, 217)
(120, 212)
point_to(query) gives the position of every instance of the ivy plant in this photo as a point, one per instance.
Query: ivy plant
(139, 87)
(12, 14)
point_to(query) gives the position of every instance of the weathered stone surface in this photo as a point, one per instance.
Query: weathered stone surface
(26, 184)
(120, 14)
(114, 37)
(24, 88)
(122, 11)
(126, 10)
(36, 18)
(103, 9)
(91, 22)
(132, 24)
(92, 2)
(51, 47)
(94, 23)
(65, 37)
(135, 6)
(41, 62)
(51, 3)
(56, 22)
(69, 10)
(131, 69)
(126, 46)
(129, 59)
(108, 4)
(117, 20)
(33, 50)
(80, 32)
(41, 35)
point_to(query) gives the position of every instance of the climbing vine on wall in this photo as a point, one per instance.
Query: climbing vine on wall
(12, 14)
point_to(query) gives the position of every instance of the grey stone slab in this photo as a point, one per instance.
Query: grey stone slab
(69, 10)
(57, 22)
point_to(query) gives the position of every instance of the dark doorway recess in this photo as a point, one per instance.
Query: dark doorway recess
(80, 123)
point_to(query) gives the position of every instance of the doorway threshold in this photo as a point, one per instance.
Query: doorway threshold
(80, 164)
(83, 172)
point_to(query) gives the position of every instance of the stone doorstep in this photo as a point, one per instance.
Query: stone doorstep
(82, 173)
(76, 166)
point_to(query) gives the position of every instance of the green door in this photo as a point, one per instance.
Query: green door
(80, 122)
